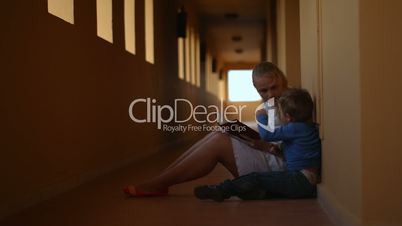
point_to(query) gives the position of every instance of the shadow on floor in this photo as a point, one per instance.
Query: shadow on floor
(101, 203)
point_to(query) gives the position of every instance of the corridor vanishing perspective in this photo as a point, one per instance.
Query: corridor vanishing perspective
(99, 94)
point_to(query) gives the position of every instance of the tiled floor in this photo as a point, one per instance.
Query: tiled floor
(101, 203)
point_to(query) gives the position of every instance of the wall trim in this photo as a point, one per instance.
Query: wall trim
(339, 215)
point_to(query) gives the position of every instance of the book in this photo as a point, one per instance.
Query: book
(240, 131)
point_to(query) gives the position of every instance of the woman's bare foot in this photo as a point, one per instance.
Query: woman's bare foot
(143, 191)
(150, 188)
(146, 188)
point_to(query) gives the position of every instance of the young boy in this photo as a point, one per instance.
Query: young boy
(301, 151)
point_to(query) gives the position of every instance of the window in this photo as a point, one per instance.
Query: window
(149, 31)
(129, 25)
(240, 86)
(104, 19)
(64, 9)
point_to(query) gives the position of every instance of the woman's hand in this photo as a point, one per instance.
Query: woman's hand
(261, 111)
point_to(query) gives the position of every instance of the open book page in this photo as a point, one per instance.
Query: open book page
(274, 122)
(270, 107)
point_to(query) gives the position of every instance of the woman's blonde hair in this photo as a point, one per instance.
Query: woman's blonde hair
(269, 69)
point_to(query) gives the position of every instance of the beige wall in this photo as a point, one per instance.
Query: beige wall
(341, 185)
(309, 46)
(311, 52)
(288, 40)
(214, 85)
(361, 78)
(270, 33)
(281, 34)
(341, 106)
(381, 98)
(65, 93)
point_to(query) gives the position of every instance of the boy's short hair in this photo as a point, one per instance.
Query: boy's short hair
(269, 69)
(298, 104)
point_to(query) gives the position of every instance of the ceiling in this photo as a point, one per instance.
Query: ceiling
(218, 30)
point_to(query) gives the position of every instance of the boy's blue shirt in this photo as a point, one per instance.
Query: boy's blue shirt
(301, 143)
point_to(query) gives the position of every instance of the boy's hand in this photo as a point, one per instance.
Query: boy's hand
(275, 150)
(263, 146)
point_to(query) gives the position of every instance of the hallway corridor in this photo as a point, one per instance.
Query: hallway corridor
(99, 94)
(101, 203)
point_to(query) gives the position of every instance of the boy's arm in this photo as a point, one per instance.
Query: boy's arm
(271, 148)
(281, 133)
(262, 118)
(264, 146)
(276, 150)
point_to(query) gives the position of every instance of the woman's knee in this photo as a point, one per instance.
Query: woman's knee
(215, 133)
(219, 135)
(211, 135)
(221, 141)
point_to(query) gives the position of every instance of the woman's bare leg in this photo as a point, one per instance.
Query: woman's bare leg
(196, 164)
(190, 150)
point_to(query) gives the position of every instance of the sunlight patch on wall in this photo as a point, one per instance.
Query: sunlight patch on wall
(180, 54)
(64, 9)
(104, 19)
(198, 61)
(192, 55)
(187, 55)
(129, 25)
(149, 31)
